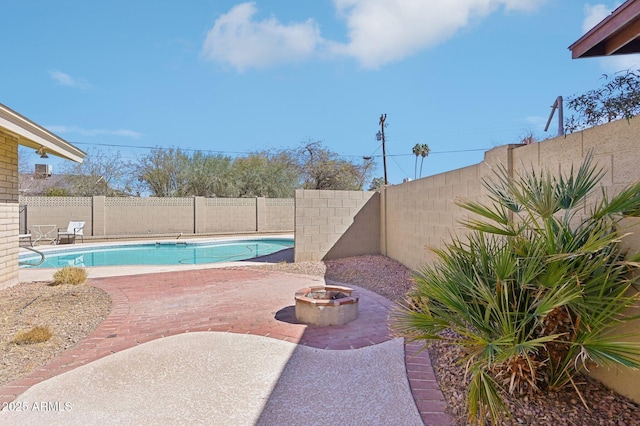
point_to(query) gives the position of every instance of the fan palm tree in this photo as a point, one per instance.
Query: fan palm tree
(534, 289)
(416, 151)
(424, 151)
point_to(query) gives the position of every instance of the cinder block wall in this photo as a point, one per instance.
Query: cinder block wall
(230, 215)
(131, 216)
(106, 216)
(421, 214)
(334, 224)
(58, 211)
(9, 227)
(279, 214)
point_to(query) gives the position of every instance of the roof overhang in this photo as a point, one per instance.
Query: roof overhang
(617, 34)
(37, 137)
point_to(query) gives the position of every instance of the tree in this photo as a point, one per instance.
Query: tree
(324, 169)
(424, 152)
(24, 165)
(205, 175)
(532, 293)
(56, 192)
(273, 174)
(269, 173)
(101, 173)
(417, 148)
(420, 150)
(619, 97)
(174, 173)
(376, 183)
(159, 171)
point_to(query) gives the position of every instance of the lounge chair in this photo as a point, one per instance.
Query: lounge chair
(75, 229)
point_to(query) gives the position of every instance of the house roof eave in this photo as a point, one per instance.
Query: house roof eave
(34, 136)
(617, 34)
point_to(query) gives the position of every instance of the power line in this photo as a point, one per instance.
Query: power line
(398, 164)
(159, 147)
(249, 152)
(431, 152)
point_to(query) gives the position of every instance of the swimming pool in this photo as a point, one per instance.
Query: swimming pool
(159, 253)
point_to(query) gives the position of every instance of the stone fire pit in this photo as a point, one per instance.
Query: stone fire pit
(326, 305)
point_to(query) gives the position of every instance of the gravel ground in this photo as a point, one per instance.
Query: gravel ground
(74, 311)
(70, 311)
(377, 273)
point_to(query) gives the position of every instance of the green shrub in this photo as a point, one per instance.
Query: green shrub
(70, 275)
(37, 334)
(534, 289)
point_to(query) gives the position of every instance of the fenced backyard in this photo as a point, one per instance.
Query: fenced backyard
(401, 221)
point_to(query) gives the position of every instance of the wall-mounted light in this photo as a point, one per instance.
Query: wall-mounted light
(41, 152)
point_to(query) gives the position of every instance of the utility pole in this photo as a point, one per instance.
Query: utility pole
(380, 136)
(557, 104)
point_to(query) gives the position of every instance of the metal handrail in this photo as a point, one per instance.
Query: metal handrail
(29, 263)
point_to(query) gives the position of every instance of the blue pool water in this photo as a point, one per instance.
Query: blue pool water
(159, 253)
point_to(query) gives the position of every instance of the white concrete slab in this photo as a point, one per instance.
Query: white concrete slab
(226, 379)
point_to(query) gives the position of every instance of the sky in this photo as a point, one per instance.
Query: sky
(232, 77)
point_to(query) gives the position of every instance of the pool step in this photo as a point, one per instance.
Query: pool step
(171, 243)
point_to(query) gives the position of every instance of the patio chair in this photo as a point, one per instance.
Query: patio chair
(75, 229)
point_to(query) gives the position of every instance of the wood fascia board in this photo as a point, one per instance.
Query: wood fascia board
(32, 135)
(617, 20)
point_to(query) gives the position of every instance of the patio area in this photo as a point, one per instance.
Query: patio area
(252, 313)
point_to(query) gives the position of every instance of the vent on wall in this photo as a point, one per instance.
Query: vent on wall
(43, 171)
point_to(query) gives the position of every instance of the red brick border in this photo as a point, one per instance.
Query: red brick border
(424, 385)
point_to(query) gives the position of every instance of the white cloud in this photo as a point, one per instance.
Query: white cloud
(379, 31)
(621, 62)
(65, 79)
(95, 132)
(524, 5)
(239, 40)
(593, 14)
(383, 31)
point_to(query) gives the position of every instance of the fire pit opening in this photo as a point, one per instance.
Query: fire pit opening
(326, 294)
(326, 305)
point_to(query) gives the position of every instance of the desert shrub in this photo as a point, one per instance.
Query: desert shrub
(70, 275)
(534, 289)
(618, 97)
(37, 334)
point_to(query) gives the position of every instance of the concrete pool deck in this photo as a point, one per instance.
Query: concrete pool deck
(220, 346)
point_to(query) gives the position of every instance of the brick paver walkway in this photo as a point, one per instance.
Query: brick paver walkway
(151, 306)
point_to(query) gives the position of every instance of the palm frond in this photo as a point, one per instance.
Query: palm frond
(571, 190)
(609, 351)
(624, 203)
(484, 399)
(495, 212)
